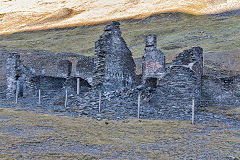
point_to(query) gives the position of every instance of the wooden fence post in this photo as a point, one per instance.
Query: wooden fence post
(99, 102)
(66, 98)
(193, 105)
(16, 100)
(139, 101)
(229, 66)
(39, 96)
(78, 86)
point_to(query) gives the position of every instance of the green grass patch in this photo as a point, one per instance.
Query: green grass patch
(175, 32)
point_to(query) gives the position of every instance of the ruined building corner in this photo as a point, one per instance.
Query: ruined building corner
(114, 67)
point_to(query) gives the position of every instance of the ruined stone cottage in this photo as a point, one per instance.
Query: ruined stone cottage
(112, 68)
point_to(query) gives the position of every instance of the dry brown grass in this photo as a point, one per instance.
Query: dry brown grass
(230, 112)
(58, 15)
(126, 138)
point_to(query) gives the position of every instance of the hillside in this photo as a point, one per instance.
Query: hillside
(104, 125)
(22, 15)
(218, 35)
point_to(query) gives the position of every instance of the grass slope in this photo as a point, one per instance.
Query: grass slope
(27, 135)
(175, 32)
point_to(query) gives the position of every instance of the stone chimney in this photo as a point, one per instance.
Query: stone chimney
(151, 41)
(153, 61)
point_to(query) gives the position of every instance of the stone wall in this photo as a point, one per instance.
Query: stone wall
(113, 62)
(3, 78)
(12, 74)
(181, 84)
(25, 71)
(176, 90)
(192, 59)
(222, 91)
(53, 72)
(60, 65)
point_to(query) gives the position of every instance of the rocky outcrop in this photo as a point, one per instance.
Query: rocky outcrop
(113, 62)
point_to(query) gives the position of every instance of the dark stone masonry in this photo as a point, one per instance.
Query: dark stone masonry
(182, 82)
(114, 65)
(221, 90)
(49, 72)
(12, 74)
(153, 61)
(167, 90)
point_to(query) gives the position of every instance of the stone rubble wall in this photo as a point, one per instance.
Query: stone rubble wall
(53, 72)
(180, 84)
(59, 65)
(23, 71)
(3, 78)
(114, 65)
(12, 74)
(176, 90)
(192, 59)
(221, 91)
(99, 64)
